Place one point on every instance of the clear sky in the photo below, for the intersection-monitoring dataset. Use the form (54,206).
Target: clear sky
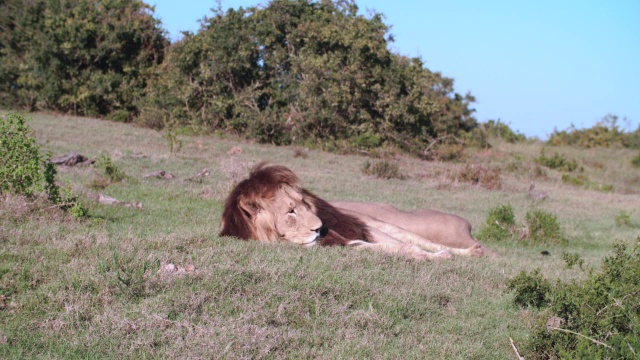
(536,65)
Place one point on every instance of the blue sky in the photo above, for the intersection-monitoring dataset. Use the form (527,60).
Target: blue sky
(536,65)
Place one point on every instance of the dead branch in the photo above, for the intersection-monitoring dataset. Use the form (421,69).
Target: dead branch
(584,336)
(429,149)
(199,176)
(513,345)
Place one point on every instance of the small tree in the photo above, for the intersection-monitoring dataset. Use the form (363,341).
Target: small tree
(20,163)
(22,168)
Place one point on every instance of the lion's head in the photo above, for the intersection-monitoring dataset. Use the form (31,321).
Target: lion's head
(270,206)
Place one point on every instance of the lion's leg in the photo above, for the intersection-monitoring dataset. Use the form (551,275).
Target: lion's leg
(441,228)
(381,241)
(409,237)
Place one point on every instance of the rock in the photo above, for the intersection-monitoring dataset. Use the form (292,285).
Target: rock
(160,174)
(72,159)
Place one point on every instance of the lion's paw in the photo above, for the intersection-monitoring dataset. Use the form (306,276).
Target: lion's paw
(442,255)
(477,250)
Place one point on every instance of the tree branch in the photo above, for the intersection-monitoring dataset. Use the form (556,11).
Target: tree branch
(584,336)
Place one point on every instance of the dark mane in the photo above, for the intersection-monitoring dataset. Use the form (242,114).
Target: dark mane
(262,184)
(342,227)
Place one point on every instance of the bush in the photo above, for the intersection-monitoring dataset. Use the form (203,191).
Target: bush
(543,227)
(22,168)
(320,76)
(383,170)
(540,227)
(583,181)
(501,224)
(20,162)
(530,289)
(87,57)
(109,173)
(596,318)
(604,133)
(494,129)
(557,161)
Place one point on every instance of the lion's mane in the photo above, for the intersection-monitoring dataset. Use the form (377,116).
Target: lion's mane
(263,183)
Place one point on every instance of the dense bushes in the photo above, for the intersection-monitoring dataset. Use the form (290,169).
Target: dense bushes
(540,227)
(305,72)
(493,129)
(596,318)
(313,73)
(605,133)
(86,57)
(557,161)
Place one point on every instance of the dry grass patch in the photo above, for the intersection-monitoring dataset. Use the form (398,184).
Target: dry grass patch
(480,175)
(383,170)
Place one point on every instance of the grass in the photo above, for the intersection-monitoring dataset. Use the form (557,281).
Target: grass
(99,288)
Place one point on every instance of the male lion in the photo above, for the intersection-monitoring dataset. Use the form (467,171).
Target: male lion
(270,205)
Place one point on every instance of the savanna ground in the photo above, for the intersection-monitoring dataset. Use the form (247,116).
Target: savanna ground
(100,287)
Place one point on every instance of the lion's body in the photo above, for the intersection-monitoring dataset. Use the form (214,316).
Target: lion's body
(445,229)
(270,205)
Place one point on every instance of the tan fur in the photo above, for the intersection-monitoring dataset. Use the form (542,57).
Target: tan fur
(270,206)
(430,229)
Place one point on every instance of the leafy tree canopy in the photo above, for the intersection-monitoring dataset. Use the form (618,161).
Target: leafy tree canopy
(88,57)
(304,72)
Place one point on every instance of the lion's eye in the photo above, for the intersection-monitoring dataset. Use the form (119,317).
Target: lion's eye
(292,211)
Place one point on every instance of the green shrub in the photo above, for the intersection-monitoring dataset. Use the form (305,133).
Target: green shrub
(540,227)
(596,318)
(500,225)
(22,168)
(87,57)
(604,133)
(583,181)
(495,129)
(530,289)
(383,169)
(110,170)
(108,173)
(543,227)
(557,161)
(20,162)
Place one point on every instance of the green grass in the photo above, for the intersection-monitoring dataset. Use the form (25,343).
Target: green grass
(98,288)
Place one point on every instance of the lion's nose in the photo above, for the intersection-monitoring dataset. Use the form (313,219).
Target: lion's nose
(322,231)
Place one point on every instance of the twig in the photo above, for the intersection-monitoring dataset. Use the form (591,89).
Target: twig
(435,141)
(64,204)
(617,302)
(584,336)
(513,345)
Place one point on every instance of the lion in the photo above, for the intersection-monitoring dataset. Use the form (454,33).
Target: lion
(270,205)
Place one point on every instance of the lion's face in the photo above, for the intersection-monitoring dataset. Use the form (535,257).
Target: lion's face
(294,219)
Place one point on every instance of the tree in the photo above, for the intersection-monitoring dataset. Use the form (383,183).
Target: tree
(87,57)
(305,72)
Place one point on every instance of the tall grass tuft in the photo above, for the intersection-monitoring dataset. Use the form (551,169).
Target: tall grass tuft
(383,170)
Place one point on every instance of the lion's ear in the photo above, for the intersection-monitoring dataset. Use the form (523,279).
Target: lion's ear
(250,207)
